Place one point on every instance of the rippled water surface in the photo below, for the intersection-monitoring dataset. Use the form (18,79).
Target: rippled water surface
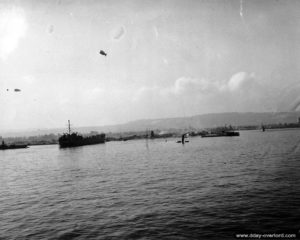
(208,188)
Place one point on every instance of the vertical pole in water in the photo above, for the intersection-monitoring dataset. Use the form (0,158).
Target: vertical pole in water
(69,127)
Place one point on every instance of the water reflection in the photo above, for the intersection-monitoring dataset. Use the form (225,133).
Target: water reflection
(208,188)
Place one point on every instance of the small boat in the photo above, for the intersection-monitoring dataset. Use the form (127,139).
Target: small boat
(4,146)
(184,138)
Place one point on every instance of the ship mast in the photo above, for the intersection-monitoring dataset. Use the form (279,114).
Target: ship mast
(69,126)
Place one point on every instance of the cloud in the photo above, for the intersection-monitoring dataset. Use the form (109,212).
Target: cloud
(249,92)
(183,87)
(13,27)
(188,85)
(189,95)
(241,80)
(186,96)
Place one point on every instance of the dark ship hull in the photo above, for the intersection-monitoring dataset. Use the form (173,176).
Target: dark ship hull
(222,134)
(75,140)
(12,146)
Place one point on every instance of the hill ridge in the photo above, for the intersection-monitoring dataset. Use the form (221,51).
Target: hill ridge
(200,121)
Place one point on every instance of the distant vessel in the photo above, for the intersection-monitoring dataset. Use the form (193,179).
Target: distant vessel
(223,132)
(74,139)
(184,138)
(4,146)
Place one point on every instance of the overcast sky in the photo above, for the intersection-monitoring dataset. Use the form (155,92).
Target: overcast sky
(165,58)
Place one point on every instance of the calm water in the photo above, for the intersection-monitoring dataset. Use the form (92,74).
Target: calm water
(208,188)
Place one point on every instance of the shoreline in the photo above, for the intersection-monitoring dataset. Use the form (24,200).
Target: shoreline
(127,136)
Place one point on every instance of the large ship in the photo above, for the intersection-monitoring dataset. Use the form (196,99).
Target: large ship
(74,139)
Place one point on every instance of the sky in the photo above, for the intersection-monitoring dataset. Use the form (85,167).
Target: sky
(165,58)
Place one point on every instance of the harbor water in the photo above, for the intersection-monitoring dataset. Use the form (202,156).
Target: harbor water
(208,188)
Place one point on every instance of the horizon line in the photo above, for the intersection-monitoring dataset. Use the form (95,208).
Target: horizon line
(16,130)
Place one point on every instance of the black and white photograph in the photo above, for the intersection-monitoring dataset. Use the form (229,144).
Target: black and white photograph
(149,119)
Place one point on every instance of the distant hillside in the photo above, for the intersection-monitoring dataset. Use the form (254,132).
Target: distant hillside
(212,120)
(198,122)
